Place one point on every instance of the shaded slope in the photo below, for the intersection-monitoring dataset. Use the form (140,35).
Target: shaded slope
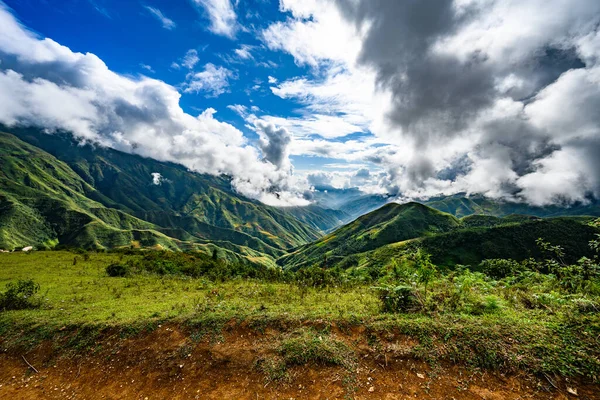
(391,223)
(319,218)
(461,205)
(485,237)
(44,202)
(185,205)
(124,181)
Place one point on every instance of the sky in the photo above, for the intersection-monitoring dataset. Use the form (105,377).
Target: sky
(409,98)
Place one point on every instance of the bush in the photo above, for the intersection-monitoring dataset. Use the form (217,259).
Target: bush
(500,268)
(318,277)
(20,296)
(117,270)
(308,346)
(395,299)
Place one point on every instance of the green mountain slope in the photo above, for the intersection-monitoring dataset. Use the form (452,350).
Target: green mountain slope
(391,223)
(94,197)
(124,181)
(461,205)
(317,217)
(484,237)
(44,202)
(377,238)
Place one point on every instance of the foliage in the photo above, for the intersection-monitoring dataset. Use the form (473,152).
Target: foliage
(308,346)
(20,295)
(526,321)
(117,270)
(52,191)
(396,299)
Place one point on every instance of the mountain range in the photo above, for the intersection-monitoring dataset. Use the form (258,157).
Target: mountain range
(55,191)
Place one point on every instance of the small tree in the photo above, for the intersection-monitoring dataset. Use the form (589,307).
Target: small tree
(425,269)
(20,295)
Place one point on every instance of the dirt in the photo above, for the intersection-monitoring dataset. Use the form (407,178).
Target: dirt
(168,363)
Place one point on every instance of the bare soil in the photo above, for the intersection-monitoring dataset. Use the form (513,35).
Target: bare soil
(168,364)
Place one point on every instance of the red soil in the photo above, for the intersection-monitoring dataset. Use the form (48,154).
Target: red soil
(167,364)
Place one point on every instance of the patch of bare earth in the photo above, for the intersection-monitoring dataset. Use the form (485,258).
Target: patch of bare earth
(168,364)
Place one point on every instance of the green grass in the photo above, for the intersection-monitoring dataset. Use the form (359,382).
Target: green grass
(81,303)
(84,293)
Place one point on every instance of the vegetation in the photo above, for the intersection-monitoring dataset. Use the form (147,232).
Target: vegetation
(538,316)
(20,295)
(53,191)
(381,236)
(512,293)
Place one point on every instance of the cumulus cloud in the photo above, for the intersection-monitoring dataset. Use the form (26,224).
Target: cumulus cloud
(166,22)
(498,97)
(45,84)
(213,81)
(274,143)
(222,16)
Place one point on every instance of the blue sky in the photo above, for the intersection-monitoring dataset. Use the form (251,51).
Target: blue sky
(410,98)
(132,39)
(126,35)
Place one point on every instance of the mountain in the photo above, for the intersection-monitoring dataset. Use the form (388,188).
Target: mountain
(54,190)
(508,237)
(377,238)
(351,201)
(317,217)
(461,205)
(364,204)
(390,223)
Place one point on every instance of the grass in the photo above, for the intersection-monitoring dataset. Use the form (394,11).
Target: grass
(81,303)
(83,293)
(309,346)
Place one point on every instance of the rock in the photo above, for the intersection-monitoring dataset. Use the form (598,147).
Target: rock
(372,389)
(572,391)
(421,376)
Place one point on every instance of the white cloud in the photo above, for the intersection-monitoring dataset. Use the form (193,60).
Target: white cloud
(147,68)
(213,81)
(45,84)
(190,59)
(157,178)
(223,19)
(244,52)
(442,88)
(272,80)
(166,22)
(239,109)
(316,31)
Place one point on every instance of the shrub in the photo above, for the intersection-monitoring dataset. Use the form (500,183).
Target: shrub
(20,295)
(395,299)
(308,346)
(318,277)
(500,268)
(117,270)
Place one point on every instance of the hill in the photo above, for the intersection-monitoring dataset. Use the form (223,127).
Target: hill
(390,223)
(55,191)
(377,238)
(461,205)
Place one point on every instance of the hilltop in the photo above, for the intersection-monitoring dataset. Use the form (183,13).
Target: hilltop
(375,239)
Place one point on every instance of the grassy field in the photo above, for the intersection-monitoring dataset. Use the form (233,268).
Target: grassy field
(486,329)
(80,292)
